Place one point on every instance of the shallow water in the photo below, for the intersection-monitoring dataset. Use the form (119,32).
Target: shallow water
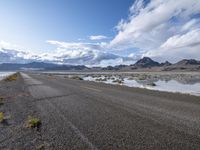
(169,85)
(181,82)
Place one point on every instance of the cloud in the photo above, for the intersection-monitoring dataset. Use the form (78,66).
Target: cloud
(12,53)
(77,45)
(161,29)
(17,56)
(97,37)
(91,54)
(159,23)
(7,45)
(178,47)
(188,39)
(191,24)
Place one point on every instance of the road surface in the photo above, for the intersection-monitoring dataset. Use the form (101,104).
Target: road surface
(86,115)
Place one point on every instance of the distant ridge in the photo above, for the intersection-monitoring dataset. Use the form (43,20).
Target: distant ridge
(144,64)
(147,64)
(39,66)
(185,64)
(188,62)
(166,63)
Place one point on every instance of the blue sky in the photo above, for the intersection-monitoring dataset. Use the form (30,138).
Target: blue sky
(31,22)
(99,32)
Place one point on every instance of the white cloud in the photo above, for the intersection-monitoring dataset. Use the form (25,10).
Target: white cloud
(14,53)
(83,54)
(90,54)
(7,45)
(191,24)
(77,45)
(115,62)
(178,47)
(189,39)
(153,26)
(137,7)
(97,37)
(174,55)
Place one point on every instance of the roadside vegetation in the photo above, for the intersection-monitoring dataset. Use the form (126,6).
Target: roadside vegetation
(33,122)
(12,77)
(2,117)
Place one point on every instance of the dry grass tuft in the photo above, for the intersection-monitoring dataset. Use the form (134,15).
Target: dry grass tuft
(33,122)
(12,77)
(2,117)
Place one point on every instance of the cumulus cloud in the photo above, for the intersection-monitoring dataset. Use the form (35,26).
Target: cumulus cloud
(97,37)
(159,24)
(179,46)
(91,54)
(12,53)
(188,39)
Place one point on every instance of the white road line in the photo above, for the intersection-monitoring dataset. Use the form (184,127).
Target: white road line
(89,88)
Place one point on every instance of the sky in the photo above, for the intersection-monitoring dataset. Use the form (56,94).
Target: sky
(98,32)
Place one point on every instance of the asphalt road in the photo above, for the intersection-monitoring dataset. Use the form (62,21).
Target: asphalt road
(86,115)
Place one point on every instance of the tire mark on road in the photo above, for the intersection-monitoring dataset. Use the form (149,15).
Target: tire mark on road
(73,127)
(47,89)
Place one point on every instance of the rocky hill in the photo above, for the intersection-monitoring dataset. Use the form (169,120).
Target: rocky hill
(146,62)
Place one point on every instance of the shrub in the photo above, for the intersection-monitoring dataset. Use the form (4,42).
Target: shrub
(2,117)
(12,77)
(33,122)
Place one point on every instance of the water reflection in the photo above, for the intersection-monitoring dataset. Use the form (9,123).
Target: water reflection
(179,84)
(182,82)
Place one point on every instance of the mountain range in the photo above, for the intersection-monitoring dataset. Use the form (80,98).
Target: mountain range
(147,64)
(144,64)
